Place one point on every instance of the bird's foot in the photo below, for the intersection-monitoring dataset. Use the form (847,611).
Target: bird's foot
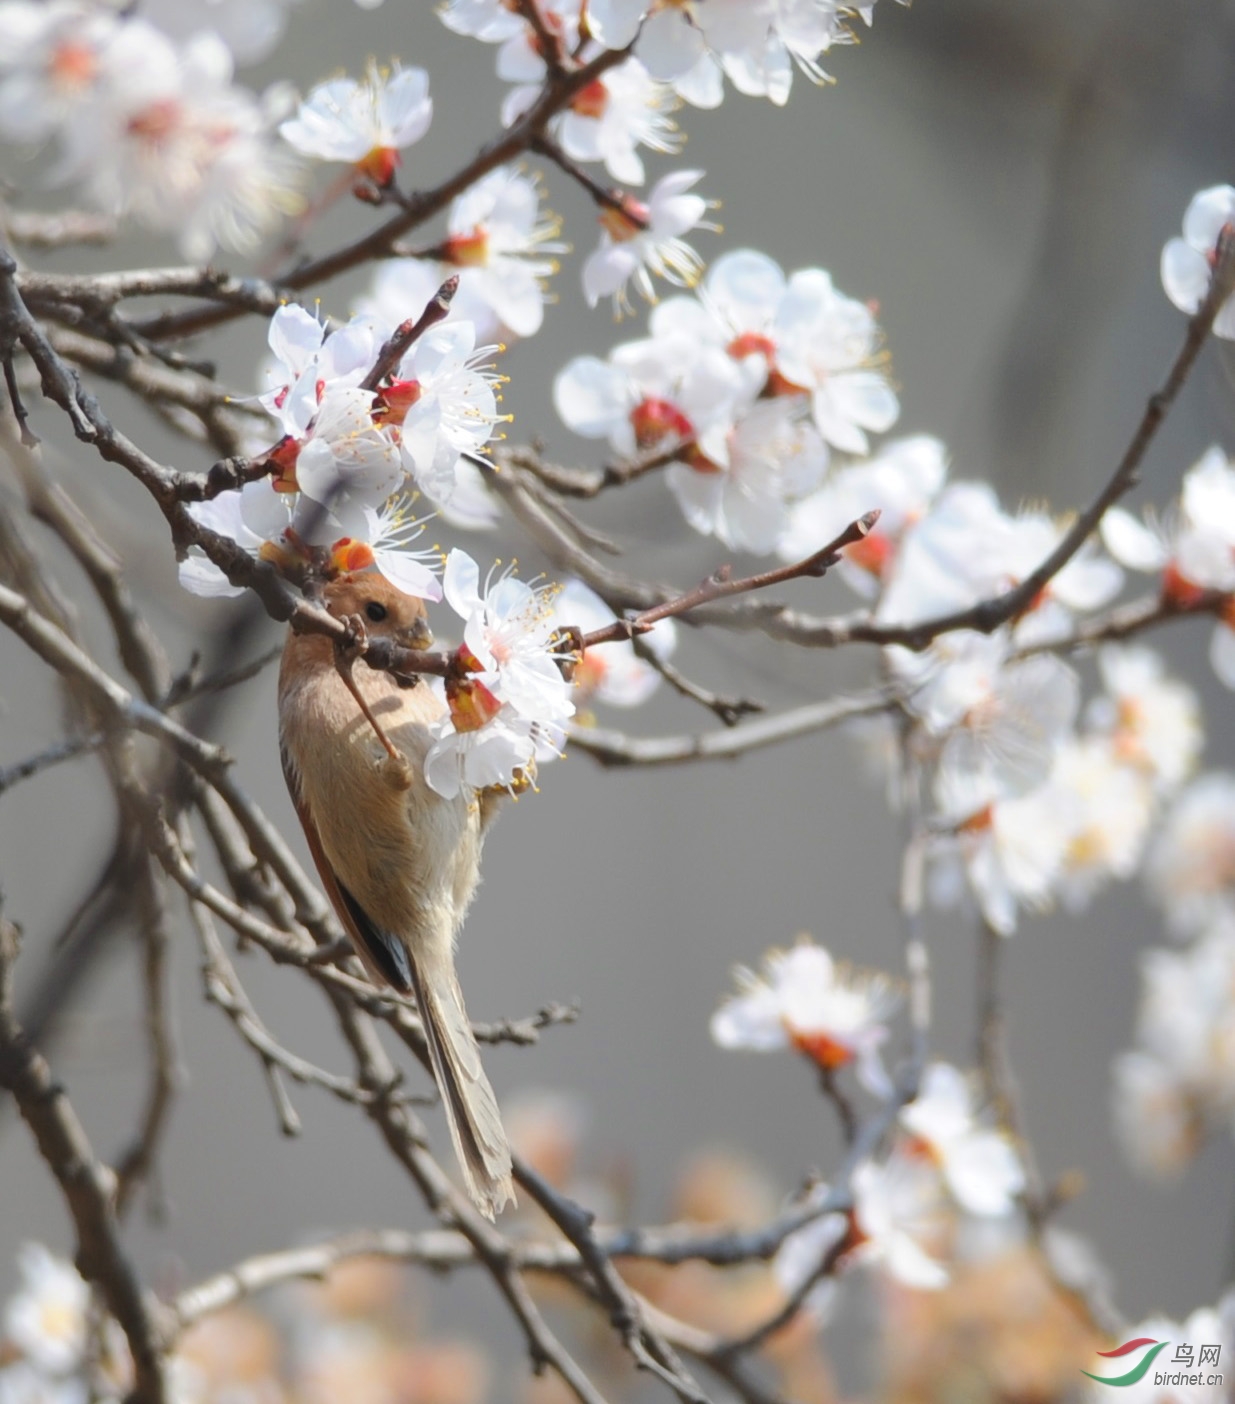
(355,645)
(396,771)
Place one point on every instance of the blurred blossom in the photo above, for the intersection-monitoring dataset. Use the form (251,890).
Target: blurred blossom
(611,673)
(146,126)
(251,29)
(366,123)
(1191,870)
(805,1001)
(1156,1123)
(966,549)
(1192,550)
(1188,263)
(1011,849)
(229,1357)
(1153,721)
(1112,806)
(47,1319)
(900,481)
(721,1187)
(546,1128)
(897,1212)
(997,719)
(978,1165)
(1179,1080)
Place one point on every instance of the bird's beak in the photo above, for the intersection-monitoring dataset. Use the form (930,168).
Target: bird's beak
(417,635)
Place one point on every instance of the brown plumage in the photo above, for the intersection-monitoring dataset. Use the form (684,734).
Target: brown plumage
(398,862)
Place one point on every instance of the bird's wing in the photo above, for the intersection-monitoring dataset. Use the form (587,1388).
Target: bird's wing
(384,955)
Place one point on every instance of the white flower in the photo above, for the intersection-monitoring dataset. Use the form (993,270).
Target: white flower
(999,718)
(900,482)
(507,631)
(21,1383)
(342,451)
(644,240)
(168,138)
(1087,582)
(895,1206)
(1188,263)
(51,59)
(1193,550)
(365,123)
(805,1001)
(1111,805)
(382,538)
(739,488)
(1155,1122)
(652,394)
(403,288)
(251,29)
(503,249)
(308,359)
(828,345)
(1192,866)
(948,560)
(501,752)
(668,41)
(441,402)
(760,42)
(611,673)
(1012,849)
(251,517)
(47,1319)
(1179,1081)
(967,549)
(1153,721)
(608,120)
(979,1166)
(491,21)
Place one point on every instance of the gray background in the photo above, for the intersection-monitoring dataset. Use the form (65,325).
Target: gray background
(1001,178)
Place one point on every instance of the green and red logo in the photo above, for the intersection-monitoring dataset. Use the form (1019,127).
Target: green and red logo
(1140,1369)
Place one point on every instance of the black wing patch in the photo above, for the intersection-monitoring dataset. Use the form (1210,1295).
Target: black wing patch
(387,952)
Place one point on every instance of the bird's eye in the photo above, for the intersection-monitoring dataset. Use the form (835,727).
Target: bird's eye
(375,611)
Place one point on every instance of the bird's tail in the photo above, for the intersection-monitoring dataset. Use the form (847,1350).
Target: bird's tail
(471,1108)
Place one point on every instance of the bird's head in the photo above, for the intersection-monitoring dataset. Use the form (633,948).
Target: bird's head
(387,612)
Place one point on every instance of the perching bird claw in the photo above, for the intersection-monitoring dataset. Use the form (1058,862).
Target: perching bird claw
(346,652)
(396,770)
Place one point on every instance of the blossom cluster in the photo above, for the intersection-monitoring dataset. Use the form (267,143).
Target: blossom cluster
(944,1163)
(336,498)
(1176,1086)
(355,1329)
(682,52)
(147,124)
(745,390)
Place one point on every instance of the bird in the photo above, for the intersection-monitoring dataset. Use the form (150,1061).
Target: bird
(398,862)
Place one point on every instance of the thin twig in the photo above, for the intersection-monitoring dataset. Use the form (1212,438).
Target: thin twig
(53,755)
(612,748)
(646,1347)
(407,333)
(86,1184)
